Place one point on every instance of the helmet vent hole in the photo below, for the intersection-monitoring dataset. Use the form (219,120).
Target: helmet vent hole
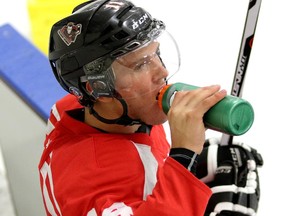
(124,12)
(133,45)
(120,35)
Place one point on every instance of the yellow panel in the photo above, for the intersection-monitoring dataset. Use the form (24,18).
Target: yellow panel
(43,14)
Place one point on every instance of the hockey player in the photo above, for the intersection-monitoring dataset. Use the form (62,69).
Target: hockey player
(105,151)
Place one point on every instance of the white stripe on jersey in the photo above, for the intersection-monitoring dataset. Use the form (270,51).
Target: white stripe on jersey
(150,167)
(55,112)
(50,204)
(50,127)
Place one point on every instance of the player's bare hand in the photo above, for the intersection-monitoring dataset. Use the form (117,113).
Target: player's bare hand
(186,116)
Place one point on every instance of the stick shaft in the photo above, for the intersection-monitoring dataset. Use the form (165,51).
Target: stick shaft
(244,55)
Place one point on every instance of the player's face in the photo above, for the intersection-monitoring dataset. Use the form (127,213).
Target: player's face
(139,77)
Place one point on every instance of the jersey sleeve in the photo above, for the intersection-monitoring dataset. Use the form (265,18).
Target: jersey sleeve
(177,192)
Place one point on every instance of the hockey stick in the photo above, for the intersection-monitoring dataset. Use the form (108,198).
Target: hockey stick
(244,54)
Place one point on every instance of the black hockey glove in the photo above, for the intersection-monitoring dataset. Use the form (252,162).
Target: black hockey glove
(231,173)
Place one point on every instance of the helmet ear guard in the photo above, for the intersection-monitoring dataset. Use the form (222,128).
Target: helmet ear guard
(100,76)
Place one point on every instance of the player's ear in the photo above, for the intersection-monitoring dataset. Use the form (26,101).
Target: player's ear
(102,99)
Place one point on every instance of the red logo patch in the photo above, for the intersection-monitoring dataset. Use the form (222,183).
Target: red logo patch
(69,32)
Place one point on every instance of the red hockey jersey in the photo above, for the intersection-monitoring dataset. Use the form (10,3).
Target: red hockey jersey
(84,171)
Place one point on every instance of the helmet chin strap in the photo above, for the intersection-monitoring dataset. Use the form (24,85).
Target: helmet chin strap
(124,119)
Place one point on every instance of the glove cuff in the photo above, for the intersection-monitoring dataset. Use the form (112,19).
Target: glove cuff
(185,157)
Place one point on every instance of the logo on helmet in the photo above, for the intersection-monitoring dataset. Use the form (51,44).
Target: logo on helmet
(69,33)
(142,20)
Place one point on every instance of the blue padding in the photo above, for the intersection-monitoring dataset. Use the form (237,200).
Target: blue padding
(27,71)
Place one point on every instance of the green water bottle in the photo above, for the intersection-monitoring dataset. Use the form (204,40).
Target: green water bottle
(231,115)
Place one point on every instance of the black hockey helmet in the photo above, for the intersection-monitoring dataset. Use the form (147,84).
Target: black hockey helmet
(84,44)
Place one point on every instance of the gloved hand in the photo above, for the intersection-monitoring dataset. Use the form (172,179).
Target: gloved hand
(231,173)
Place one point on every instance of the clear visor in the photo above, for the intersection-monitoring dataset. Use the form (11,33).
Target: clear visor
(148,68)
